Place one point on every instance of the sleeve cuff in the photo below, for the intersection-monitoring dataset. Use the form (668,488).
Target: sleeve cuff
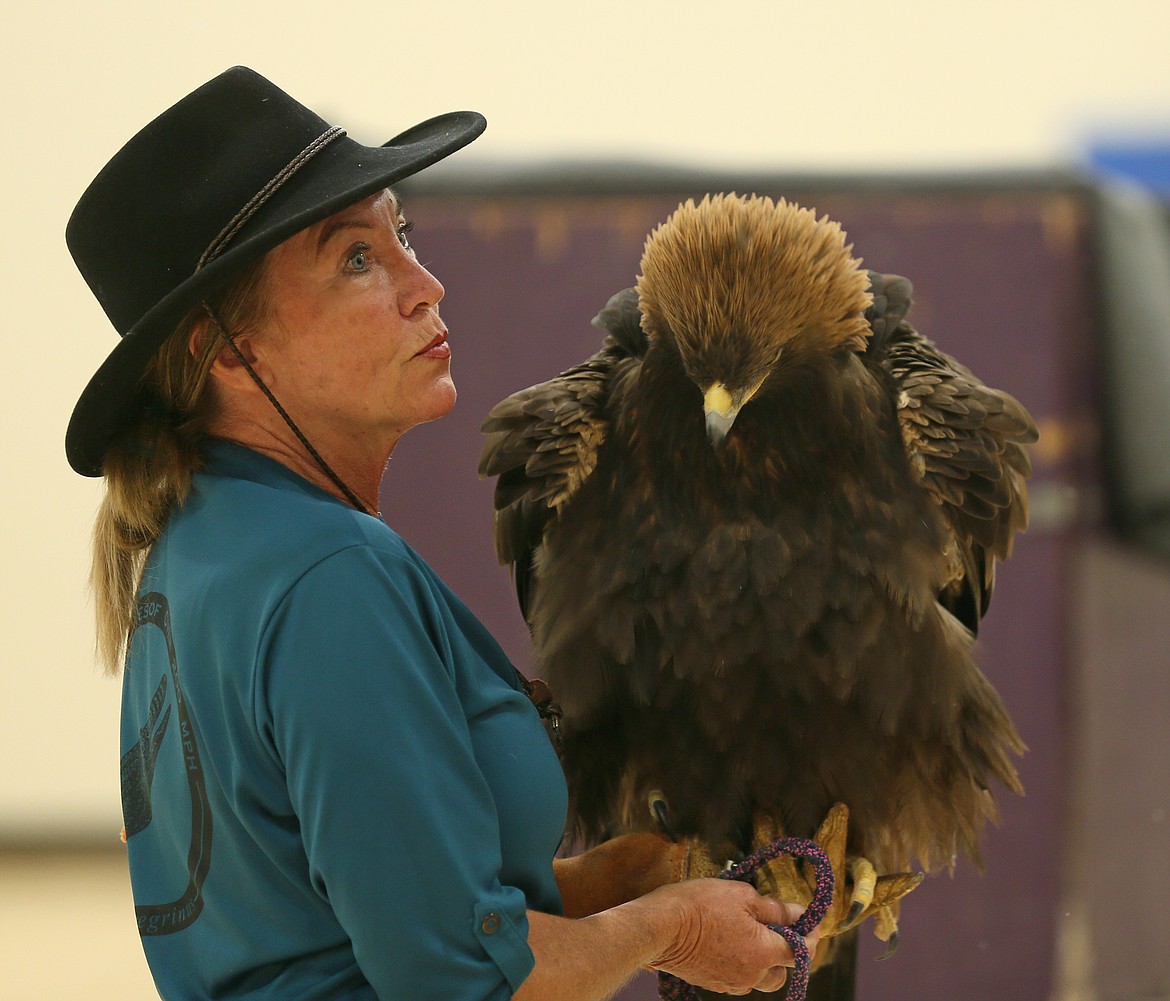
(501,926)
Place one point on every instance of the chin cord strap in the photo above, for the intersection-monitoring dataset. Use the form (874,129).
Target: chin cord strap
(325,467)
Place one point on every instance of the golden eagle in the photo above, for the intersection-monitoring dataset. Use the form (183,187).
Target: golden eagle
(754,536)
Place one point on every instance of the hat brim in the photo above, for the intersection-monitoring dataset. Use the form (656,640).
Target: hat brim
(342,173)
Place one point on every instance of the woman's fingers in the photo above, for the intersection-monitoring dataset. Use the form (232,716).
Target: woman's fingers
(773,980)
(775,912)
(725,942)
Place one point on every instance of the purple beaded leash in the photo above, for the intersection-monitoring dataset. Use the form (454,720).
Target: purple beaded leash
(670,988)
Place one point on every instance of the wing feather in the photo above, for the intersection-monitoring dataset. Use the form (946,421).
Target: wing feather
(965,441)
(542,443)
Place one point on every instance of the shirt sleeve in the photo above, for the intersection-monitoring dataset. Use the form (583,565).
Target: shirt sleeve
(399,826)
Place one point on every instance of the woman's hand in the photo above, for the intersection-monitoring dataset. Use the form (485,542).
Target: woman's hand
(710,932)
(723,942)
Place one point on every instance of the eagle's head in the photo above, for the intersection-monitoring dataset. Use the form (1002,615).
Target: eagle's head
(741,283)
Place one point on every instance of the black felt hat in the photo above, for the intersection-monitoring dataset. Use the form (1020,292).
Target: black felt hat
(233,169)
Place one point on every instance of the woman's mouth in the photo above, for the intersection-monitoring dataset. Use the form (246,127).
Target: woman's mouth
(438,348)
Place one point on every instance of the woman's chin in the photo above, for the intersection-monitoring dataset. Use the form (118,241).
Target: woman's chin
(440,401)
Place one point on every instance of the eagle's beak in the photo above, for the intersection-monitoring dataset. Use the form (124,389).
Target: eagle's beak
(718,425)
(720,408)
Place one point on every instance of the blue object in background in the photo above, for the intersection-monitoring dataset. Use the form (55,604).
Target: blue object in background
(1145,160)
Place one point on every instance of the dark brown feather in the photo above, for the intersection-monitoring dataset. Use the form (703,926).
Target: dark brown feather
(966,443)
(542,443)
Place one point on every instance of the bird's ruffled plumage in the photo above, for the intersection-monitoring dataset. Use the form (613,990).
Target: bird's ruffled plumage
(786,621)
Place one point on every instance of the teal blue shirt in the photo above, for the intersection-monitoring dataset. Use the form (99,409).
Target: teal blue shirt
(332,784)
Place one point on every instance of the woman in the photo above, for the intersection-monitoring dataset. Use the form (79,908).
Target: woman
(333,784)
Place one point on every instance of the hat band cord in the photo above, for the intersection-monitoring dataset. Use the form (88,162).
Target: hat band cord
(325,467)
(225,236)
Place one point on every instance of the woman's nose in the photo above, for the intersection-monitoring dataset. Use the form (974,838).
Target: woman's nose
(420,289)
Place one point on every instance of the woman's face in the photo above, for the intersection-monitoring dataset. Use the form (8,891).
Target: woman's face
(353,344)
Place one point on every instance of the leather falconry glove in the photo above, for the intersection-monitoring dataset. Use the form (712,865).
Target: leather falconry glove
(627,867)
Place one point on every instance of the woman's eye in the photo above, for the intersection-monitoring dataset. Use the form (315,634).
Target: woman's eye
(358,259)
(403,230)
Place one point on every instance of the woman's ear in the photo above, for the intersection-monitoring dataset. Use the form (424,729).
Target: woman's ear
(228,368)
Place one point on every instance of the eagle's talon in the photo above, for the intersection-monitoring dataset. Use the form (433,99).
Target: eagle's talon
(660,811)
(885,927)
(891,947)
(865,879)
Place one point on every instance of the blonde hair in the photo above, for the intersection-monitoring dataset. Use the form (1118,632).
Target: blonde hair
(148,468)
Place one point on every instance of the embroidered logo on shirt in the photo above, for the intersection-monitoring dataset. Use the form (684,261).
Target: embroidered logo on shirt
(138,767)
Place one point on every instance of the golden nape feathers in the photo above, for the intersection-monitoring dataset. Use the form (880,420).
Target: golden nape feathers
(752,269)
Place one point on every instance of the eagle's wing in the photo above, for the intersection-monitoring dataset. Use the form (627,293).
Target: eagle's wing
(965,442)
(542,442)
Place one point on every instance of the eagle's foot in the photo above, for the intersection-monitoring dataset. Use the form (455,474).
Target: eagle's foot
(859,891)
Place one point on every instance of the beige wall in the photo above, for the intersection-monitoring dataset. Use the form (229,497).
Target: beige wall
(759,82)
(844,84)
